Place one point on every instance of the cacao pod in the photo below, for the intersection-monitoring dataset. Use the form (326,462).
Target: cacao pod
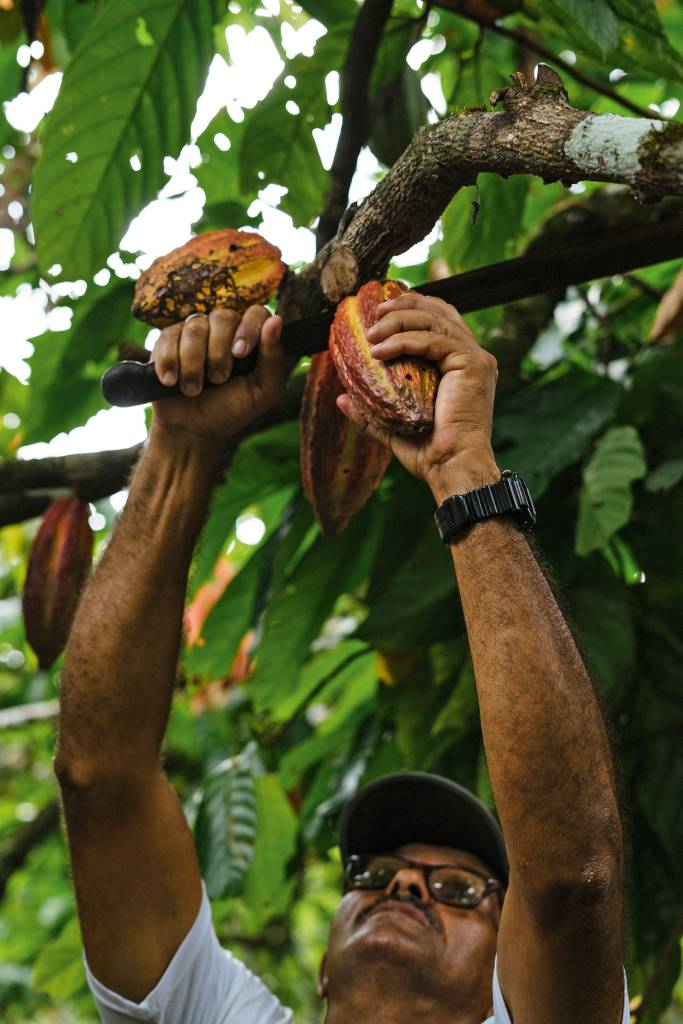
(398,394)
(340,467)
(219,269)
(60,559)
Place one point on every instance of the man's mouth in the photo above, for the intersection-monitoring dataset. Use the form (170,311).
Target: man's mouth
(409,907)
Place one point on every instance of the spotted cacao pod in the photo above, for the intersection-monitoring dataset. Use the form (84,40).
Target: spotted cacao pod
(340,467)
(398,394)
(60,559)
(219,269)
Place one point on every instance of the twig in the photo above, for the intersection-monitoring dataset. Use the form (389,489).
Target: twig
(355,96)
(22,714)
(522,39)
(28,837)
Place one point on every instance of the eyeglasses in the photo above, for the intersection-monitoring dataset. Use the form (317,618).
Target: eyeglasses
(453,884)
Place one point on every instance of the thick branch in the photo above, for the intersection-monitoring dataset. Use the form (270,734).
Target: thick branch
(28,837)
(538,133)
(523,39)
(355,99)
(602,219)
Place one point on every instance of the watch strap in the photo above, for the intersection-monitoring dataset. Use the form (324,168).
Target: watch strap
(508,496)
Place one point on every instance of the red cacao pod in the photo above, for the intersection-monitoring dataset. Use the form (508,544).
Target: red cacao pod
(340,467)
(219,269)
(60,559)
(398,394)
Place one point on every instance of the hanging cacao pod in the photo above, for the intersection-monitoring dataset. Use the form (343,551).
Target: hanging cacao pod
(340,467)
(60,559)
(398,394)
(219,269)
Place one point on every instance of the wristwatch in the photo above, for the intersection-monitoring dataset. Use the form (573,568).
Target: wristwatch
(508,497)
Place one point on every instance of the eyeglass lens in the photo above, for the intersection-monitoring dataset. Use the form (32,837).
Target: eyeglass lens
(449,885)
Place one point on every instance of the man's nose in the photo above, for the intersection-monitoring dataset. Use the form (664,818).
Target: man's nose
(409,883)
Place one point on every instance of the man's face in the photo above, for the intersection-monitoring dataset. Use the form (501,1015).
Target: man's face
(402,936)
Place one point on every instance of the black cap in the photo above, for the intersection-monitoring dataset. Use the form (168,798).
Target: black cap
(417,807)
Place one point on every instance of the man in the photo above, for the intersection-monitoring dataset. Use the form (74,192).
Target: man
(419,928)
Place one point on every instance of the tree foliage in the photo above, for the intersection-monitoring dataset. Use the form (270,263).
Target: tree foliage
(323,664)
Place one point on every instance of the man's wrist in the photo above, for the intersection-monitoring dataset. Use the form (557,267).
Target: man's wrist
(187,449)
(464,472)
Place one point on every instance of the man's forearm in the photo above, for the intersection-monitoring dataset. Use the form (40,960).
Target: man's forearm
(121,658)
(547,748)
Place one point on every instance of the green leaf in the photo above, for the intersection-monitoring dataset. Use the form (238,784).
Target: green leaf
(603,615)
(499,220)
(141,100)
(419,603)
(665,476)
(542,429)
(460,713)
(67,366)
(594,19)
(357,684)
(402,110)
(605,499)
(315,673)
(59,969)
(301,601)
(279,145)
(225,829)
(218,174)
(228,621)
(644,42)
(331,12)
(265,463)
(266,893)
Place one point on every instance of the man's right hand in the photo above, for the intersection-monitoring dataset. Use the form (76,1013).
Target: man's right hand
(207,347)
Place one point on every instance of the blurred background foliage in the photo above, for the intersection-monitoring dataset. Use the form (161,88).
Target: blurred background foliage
(313,665)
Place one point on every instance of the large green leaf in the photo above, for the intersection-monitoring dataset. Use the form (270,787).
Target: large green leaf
(279,146)
(605,500)
(67,366)
(498,222)
(542,429)
(303,598)
(266,892)
(130,89)
(225,829)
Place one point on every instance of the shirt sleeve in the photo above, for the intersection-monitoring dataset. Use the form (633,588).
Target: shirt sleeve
(500,1011)
(203,983)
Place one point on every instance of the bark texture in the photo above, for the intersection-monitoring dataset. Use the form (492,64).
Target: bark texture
(537,132)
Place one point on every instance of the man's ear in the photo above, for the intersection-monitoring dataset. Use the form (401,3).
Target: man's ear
(322,978)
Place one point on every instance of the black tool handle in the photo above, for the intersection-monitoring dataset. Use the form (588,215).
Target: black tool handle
(131,383)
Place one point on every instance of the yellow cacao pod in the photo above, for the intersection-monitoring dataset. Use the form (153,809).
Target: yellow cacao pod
(219,269)
(397,394)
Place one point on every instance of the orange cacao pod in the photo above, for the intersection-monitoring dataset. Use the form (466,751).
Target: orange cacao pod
(219,269)
(59,562)
(340,467)
(399,394)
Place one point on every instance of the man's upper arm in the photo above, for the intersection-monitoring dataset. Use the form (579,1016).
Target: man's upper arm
(563,963)
(136,876)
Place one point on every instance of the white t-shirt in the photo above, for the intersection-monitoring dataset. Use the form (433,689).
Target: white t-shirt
(204,984)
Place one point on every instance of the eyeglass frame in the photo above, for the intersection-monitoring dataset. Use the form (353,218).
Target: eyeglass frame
(492,884)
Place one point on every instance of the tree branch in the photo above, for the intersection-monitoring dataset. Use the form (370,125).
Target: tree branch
(538,133)
(355,96)
(522,39)
(601,227)
(28,837)
(22,714)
